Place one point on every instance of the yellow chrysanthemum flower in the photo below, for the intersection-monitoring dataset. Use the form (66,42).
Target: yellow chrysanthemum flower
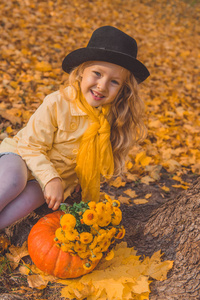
(102,231)
(96,256)
(105,245)
(101,237)
(121,233)
(84,254)
(60,234)
(117,216)
(92,205)
(67,221)
(104,219)
(90,217)
(71,235)
(94,229)
(109,207)
(100,208)
(111,232)
(87,266)
(96,250)
(86,237)
(107,197)
(110,255)
(94,243)
(79,247)
(115,220)
(116,203)
(66,247)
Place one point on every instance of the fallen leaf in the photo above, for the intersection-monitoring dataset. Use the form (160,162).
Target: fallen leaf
(154,171)
(124,277)
(117,182)
(130,193)
(147,196)
(147,179)
(16,253)
(37,281)
(157,269)
(4,243)
(140,201)
(180,186)
(132,177)
(124,200)
(9,129)
(165,188)
(43,66)
(24,269)
(171,165)
(143,159)
(9,116)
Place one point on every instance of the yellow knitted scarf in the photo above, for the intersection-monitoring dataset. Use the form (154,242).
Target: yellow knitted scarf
(95,155)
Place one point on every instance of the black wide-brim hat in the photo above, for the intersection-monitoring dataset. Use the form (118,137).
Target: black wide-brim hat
(112,45)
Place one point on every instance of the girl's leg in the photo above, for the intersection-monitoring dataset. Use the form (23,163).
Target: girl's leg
(13,178)
(31,198)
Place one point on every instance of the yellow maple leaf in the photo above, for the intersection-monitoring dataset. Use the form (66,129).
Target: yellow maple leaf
(14,84)
(125,277)
(130,193)
(132,177)
(43,66)
(140,201)
(156,268)
(15,255)
(37,281)
(4,243)
(9,129)
(142,284)
(24,269)
(147,179)
(185,187)
(165,188)
(171,165)
(143,159)
(129,165)
(154,171)
(117,182)
(177,178)
(124,200)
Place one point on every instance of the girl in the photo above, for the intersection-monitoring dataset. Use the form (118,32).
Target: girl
(78,133)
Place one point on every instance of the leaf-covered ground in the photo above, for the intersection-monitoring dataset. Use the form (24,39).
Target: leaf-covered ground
(36,35)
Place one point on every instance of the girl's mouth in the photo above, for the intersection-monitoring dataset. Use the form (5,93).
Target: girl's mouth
(97,96)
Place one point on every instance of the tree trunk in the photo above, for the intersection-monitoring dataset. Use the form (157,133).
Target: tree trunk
(174,227)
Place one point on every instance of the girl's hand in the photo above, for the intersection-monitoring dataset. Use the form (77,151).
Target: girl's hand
(54,193)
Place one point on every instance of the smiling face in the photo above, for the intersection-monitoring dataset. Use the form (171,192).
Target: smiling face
(101,82)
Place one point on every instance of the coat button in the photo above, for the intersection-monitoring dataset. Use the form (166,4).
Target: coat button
(75,151)
(73,126)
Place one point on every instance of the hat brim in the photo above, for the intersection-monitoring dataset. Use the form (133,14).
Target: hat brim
(82,55)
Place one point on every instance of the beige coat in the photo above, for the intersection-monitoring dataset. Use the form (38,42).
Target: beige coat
(50,141)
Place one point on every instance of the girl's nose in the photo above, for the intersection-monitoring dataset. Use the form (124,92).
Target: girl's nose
(102,85)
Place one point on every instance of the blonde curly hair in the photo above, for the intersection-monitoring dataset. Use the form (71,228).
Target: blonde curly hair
(125,116)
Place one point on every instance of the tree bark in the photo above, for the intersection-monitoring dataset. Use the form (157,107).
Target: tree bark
(173,227)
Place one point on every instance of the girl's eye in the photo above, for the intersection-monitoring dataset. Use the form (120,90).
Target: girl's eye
(97,73)
(115,82)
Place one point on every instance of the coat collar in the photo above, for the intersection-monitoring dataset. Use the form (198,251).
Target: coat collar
(74,109)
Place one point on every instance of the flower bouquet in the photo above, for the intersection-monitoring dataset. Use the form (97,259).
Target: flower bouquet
(78,237)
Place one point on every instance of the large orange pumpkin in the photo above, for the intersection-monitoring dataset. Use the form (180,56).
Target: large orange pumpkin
(47,256)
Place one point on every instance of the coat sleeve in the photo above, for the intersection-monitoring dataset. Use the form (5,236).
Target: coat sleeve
(36,139)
